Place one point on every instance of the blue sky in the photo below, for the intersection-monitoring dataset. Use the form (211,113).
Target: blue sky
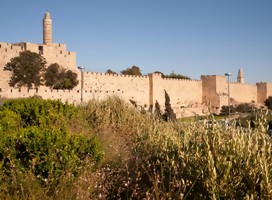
(190,37)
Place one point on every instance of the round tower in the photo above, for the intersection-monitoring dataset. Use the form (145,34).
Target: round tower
(240,77)
(47,29)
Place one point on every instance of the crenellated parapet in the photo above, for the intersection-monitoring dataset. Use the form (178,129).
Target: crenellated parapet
(180,80)
(114,75)
(186,95)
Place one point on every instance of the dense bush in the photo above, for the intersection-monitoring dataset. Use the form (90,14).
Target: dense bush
(149,158)
(46,153)
(38,112)
(268,102)
(241,108)
(38,145)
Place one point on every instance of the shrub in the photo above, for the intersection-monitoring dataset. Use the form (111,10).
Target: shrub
(48,154)
(243,108)
(144,158)
(268,102)
(38,112)
(188,160)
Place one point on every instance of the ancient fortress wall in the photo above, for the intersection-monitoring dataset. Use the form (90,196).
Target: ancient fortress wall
(7,51)
(71,96)
(184,94)
(269,90)
(215,92)
(54,53)
(264,90)
(243,93)
(210,96)
(135,88)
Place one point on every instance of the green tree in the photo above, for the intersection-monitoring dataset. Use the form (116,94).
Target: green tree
(268,102)
(177,76)
(172,75)
(132,71)
(27,70)
(58,78)
(158,72)
(168,114)
(109,71)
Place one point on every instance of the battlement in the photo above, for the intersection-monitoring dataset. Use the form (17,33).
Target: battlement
(10,47)
(114,75)
(211,76)
(180,80)
(145,90)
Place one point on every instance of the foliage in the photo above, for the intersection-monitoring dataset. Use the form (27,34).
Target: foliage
(254,118)
(144,158)
(58,78)
(132,71)
(38,151)
(27,69)
(243,108)
(177,76)
(168,114)
(157,111)
(38,112)
(109,71)
(268,102)
(226,109)
(173,75)
(187,160)
(47,153)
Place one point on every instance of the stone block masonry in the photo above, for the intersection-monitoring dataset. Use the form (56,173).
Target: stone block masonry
(187,97)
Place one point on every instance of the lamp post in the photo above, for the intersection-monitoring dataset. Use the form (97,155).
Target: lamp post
(81,69)
(228,75)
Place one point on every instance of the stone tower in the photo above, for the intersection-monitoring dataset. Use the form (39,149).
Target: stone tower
(240,77)
(47,29)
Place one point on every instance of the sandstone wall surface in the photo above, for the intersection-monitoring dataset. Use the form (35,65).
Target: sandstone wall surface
(185,95)
(135,88)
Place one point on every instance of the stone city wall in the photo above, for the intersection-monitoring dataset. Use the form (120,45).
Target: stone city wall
(243,93)
(264,91)
(7,51)
(129,87)
(185,95)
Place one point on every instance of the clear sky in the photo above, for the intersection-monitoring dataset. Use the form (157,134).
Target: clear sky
(189,37)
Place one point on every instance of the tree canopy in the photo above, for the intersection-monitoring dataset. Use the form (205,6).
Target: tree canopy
(268,102)
(173,75)
(58,78)
(27,70)
(109,71)
(132,71)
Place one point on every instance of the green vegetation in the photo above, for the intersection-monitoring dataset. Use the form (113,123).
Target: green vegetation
(27,69)
(268,102)
(109,71)
(173,75)
(40,148)
(58,78)
(134,70)
(110,150)
(241,108)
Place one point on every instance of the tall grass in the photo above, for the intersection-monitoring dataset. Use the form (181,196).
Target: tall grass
(145,158)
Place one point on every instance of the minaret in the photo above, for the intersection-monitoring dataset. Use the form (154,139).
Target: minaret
(47,29)
(240,77)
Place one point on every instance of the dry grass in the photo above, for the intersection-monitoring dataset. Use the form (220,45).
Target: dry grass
(149,159)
